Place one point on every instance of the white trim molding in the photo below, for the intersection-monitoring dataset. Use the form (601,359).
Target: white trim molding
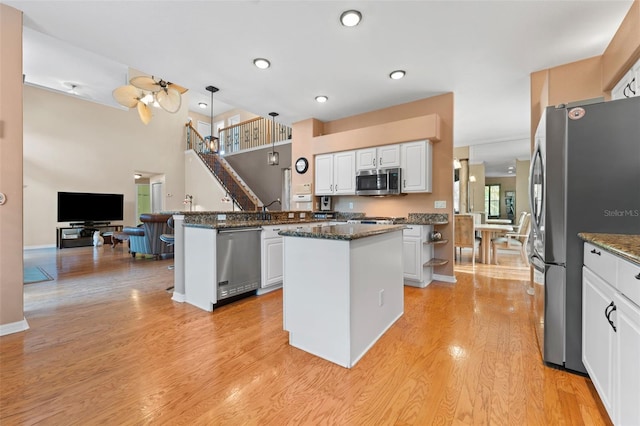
(445,278)
(14,327)
(178,297)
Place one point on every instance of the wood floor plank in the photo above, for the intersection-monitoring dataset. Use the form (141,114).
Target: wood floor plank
(107,345)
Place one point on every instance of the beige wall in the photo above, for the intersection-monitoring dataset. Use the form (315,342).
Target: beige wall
(426,118)
(206,190)
(75,145)
(623,50)
(11,223)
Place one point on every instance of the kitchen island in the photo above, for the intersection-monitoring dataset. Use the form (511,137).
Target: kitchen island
(343,288)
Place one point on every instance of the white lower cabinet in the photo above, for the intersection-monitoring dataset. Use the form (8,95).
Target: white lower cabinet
(611,332)
(599,343)
(416,255)
(272,266)
(627,367)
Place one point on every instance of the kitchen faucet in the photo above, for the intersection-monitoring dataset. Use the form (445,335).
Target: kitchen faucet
(277,200)
(266,216)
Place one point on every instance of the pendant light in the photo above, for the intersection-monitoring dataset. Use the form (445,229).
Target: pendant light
(212,143)
(273,158)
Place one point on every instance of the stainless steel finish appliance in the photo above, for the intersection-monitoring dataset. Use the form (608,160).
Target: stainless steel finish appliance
(378,182)
(584,177)
(238,261)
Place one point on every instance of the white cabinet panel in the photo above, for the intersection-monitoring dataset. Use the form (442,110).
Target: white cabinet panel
(366,159)
(416,166)
(324,174)
(272,255)
(335,173)
(627,369)
(388,156)
(598,335)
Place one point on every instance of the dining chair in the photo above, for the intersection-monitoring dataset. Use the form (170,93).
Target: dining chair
(512,241)
(464,234)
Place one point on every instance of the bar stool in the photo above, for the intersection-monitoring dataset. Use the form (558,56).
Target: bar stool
(169,239)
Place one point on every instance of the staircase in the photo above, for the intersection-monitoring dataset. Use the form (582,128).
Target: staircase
(235,187)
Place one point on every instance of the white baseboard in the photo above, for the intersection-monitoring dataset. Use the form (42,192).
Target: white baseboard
(39,247)
(14,327)
(445,278)
(266,290)
(178,297)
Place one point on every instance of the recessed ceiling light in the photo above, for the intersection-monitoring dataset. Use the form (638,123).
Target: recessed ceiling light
(397,74)
(202,105)
(322,99)
(137,176)
(511,167)
(261,63)
(350,18)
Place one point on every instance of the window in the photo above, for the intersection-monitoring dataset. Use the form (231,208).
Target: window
(492,200)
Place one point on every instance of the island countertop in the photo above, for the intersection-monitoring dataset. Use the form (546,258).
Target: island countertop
(346,232)
(624,245)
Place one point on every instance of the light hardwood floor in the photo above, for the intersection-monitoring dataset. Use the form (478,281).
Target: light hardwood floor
(108,346)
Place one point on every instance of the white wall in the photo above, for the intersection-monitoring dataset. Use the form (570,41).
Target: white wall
(76,145)
(199,182)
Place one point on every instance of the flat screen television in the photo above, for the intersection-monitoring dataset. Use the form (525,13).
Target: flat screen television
(89,207)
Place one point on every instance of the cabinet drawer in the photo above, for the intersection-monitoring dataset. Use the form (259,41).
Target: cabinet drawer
(629,280)
(271,231)
(602,263)
(412,231)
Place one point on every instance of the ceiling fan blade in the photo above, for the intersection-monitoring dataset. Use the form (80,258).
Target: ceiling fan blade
(145,83)
(177,87)
(127,95)
(144,112)
(169,99)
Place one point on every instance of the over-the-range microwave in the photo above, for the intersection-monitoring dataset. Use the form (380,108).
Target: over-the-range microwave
(378,182)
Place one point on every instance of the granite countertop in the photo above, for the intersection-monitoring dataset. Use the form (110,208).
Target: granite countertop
(252,223)
(427,219)
(346,232)
(624,245)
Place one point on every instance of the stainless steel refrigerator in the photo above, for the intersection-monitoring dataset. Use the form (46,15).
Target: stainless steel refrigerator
(585,177)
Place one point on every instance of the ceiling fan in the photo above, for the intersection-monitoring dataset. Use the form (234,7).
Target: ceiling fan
(145,90)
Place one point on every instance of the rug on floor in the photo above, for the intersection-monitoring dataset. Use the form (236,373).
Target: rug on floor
(35,274)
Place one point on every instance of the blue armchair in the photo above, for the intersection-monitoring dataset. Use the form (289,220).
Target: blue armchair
(145,238)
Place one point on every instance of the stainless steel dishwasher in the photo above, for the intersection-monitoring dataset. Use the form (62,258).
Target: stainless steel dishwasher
(237,261)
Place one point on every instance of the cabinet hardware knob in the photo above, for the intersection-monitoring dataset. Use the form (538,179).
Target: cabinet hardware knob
(594,251)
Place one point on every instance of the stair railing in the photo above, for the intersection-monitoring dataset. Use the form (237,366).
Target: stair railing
(236,190)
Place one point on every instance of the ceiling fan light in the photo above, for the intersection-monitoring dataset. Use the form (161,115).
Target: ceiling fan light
(146,99)
(397,74)
(322,99)
(261,63)
(350,18)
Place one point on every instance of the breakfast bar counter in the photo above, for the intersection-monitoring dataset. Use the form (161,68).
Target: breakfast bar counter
(343,288)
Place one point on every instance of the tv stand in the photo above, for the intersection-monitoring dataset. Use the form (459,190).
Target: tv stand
(88,224)
(81,234)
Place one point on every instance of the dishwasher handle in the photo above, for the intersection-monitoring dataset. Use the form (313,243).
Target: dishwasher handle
(229,230)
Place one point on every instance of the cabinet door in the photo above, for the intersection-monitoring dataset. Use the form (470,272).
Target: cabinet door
(411,253)
(389,156)
(627,372)
(366,159)
(416,166)
(598,337)
(324,174)
(272,261)
(344,180)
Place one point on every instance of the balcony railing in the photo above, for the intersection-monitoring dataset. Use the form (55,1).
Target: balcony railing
(252,134)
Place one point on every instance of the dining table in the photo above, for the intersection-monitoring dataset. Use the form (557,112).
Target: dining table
(488,231)
(499,221)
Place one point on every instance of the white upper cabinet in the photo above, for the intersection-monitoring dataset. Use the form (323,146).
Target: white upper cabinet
(324,174)
(415,161)
(381,157)
(628,85)
(335,173)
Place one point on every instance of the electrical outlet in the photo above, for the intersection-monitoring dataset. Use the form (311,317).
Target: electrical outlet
(381,298)
(351,206)
(292,215)
(302,215)
(222,217)
(440,204)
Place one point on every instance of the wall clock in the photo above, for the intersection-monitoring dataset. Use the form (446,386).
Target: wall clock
(302,165)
